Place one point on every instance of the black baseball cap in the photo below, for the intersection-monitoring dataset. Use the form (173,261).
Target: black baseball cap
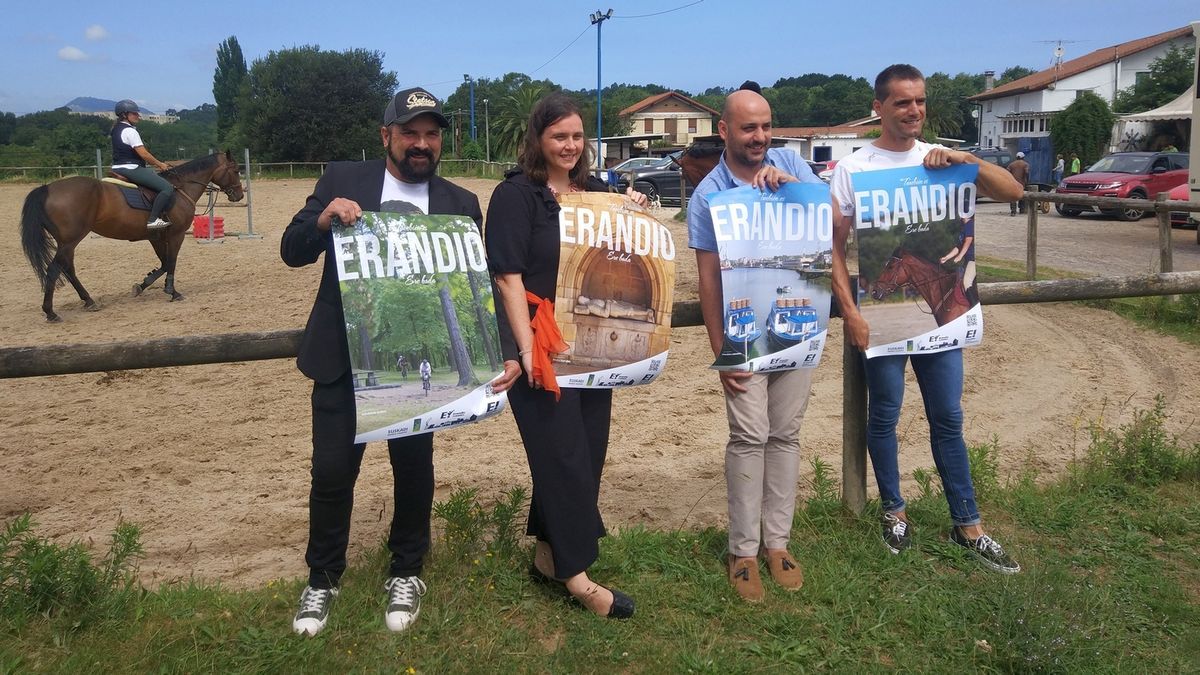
(409,103)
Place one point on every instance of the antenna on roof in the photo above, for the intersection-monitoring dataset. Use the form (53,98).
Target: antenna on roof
(1058,56)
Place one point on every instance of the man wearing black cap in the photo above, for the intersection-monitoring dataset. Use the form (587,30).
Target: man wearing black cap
(403,181)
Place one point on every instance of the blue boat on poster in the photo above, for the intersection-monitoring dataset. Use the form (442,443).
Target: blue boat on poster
(775,251)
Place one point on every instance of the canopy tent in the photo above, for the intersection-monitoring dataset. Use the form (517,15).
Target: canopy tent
(1179,109)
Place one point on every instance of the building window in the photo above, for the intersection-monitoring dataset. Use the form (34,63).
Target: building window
(692,125)
(649,125)
(989,106)
(1140,76)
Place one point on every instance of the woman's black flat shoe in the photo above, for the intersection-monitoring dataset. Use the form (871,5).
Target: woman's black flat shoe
(622,606)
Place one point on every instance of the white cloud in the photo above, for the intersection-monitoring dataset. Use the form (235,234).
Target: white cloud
(96,32)
(70,53)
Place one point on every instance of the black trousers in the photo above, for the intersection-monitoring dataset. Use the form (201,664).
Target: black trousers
(335,463)
(565,444)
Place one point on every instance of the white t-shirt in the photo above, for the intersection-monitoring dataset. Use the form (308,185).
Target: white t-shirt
(130,137)
(871,158)
(396,190)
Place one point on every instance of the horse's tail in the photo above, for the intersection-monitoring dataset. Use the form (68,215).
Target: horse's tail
(35,224)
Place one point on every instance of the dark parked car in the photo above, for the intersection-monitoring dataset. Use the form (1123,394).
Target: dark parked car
(659,181)
(994,155)
(1136,175)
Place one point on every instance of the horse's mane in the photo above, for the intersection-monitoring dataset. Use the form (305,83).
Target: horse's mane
(196,165)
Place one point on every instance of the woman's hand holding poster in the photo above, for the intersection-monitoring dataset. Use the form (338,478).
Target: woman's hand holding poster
(915,230)
(616,285)
(420,323)
(775,250)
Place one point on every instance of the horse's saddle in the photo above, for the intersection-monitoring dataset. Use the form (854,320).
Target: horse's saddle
(136,196)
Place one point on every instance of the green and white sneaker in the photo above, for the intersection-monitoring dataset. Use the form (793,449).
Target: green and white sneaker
(987,550)
(314,610)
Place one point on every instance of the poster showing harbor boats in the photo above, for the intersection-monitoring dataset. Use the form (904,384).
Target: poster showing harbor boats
(420,323)
(616,284)
(915,229)
(775,253)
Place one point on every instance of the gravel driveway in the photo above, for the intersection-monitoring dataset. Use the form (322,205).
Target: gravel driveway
(1090,243)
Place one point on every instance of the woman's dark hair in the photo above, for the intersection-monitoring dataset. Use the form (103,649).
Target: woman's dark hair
(546,112)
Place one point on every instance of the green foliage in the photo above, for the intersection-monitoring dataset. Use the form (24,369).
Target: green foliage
(816,99)
(1083,128)
(228,80)
(1014,73)
(40,577)
(984,461)
(472,529)
(304,104)
(1170,75)
(472,150)
(1141,452)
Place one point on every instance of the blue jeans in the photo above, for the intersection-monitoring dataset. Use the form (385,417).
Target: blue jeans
(940,377)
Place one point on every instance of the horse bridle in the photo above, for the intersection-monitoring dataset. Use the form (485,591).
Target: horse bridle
(910,284)
(227,190)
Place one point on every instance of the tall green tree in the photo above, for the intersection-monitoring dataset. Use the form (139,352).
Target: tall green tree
(1083,128)
(1014,73)
(304,104)
(1170,75)
(228,80)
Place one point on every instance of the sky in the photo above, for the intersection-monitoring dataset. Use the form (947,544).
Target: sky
(163,55)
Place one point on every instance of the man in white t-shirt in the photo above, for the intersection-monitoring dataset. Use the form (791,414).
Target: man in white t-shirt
(900,104)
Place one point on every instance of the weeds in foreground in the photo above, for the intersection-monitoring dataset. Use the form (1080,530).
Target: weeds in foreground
(1108,586)
(40,577)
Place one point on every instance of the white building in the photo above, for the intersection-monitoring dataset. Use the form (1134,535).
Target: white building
(1016,116)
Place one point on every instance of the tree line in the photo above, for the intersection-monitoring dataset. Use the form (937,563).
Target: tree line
(308,104)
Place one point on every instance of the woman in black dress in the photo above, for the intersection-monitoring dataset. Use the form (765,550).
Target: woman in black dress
(565,432)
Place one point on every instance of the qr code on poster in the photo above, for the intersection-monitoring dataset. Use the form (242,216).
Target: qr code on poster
(972,320)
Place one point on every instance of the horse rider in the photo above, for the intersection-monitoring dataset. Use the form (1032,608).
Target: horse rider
(130,157)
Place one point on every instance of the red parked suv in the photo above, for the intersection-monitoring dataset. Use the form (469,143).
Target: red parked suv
(1138,175)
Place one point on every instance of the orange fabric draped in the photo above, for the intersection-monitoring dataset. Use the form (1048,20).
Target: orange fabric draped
(547,340)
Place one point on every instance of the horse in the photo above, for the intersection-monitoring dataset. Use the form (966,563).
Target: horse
(69,208)
(942,290)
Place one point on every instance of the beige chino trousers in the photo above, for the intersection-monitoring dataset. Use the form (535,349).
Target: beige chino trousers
(762,459)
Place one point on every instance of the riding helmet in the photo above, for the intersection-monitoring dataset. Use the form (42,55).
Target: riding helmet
(126,106)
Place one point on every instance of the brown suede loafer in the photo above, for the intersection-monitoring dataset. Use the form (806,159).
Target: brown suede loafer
(743,574)
(784,569)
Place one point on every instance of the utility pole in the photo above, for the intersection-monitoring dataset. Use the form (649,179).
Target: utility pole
(470,81)
(598,20)
(487,131)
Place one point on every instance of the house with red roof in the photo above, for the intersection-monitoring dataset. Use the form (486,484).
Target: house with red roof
(1016,116)
(679,117)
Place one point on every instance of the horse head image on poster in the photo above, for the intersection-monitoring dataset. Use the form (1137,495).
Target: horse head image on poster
(69,208)
(941,289)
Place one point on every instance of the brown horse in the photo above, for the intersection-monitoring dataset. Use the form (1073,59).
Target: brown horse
(941,289)
(68,209)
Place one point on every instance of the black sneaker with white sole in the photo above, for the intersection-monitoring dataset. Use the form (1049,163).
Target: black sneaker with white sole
(987,550)
(314,610)
(897,533)
(404,601)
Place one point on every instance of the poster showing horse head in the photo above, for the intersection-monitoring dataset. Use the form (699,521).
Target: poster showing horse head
(616,284)
(915,230)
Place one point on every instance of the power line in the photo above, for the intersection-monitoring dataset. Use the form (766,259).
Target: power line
(560,52)
(665,11)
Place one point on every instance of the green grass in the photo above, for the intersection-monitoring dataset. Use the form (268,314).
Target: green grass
(1110,584)
(1180,318)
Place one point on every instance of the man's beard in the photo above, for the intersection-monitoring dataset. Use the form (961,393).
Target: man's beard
(411,173)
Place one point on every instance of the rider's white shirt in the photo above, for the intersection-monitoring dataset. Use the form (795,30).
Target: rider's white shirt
(133,139)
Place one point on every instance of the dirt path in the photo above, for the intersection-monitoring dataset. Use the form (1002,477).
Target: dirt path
(212,461)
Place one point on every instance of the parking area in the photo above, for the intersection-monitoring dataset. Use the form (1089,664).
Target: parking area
(1090,243)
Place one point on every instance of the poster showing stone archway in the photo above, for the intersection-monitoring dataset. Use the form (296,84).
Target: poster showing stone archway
(616,282)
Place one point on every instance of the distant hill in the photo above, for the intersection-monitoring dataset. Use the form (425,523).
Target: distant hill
(89,104)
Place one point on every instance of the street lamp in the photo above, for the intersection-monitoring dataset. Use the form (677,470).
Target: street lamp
(471,82)
(598,18)
(487,131)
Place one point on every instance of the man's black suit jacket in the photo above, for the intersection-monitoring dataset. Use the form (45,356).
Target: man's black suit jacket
(324,353)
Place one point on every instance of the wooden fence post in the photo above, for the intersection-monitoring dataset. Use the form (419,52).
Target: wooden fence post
(854,423)
(1031,215)
(854,430)
(1165,254)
